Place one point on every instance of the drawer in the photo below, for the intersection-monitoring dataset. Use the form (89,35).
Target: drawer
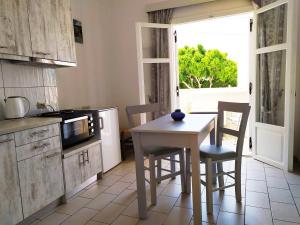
(47,146)
(36,134)
(6,138)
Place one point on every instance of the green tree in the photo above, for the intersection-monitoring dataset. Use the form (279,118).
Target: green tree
(201,68)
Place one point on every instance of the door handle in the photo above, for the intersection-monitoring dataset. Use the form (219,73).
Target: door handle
(52,155)
(81,162)
(101,123)
(87,156)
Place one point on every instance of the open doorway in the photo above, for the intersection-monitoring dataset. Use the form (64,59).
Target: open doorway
(213,65)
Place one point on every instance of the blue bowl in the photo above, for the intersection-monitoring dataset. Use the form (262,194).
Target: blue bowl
(177,115)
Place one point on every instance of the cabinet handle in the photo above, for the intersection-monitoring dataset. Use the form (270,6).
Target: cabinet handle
(7,140)
(39,133)
(41,146)
(81,162)
(101,123)
(53,155)
(4,47)
(87,156)
(42,53)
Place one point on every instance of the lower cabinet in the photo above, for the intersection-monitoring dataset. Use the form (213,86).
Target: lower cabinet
(41,181)
(10,198)
(82,166)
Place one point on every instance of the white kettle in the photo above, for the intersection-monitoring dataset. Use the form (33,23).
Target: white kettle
(15,107)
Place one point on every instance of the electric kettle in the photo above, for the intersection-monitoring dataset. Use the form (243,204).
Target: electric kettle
(15,107)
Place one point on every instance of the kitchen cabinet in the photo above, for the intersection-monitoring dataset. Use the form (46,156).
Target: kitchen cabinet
(110,137)
(82,165)
(65,34)
(10,198)
(43,28)
(14,28)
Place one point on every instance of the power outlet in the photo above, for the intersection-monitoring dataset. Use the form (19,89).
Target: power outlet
(41,105)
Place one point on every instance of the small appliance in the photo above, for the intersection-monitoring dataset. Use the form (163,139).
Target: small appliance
(16,107)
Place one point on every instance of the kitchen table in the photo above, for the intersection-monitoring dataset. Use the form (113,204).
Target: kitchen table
(188,134)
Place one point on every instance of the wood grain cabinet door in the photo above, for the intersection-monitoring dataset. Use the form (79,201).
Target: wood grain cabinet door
(93,163)
(41,181)
(65,34)
(10,198)
(14,28)
(72,171)
(43,28)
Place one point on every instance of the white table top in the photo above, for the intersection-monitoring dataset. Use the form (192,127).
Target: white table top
(191,124)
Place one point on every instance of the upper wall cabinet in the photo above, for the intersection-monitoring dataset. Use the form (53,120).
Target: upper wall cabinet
(40,29)
(65,34)
(43,23)
(14,28)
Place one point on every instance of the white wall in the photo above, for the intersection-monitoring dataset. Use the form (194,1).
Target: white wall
(89,83)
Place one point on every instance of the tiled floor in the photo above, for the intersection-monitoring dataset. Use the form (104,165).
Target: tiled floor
(270,196)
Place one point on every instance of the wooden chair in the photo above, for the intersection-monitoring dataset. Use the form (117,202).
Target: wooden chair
(219,153)
(157,153)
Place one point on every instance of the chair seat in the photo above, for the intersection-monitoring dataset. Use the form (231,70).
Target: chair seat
(158,151)
(216,152)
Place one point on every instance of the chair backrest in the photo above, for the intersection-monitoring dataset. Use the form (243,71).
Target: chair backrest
(139,109)
(242,108)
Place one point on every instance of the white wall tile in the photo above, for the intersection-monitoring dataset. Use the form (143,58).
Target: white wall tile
(49,75)
(34,95)
(51,96)
(15,75)
(1,103)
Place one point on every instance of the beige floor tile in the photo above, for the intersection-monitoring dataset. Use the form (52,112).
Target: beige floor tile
(295,189)
(132,210)
(229,204)
(185,201)
(101,201)
(257,199)
(132,186)
(179,216)
(203,223)
(54,219)
(297,201)
(172,190)
(94,191)
(81,217)
(257,186)
(128,178)
(256,216)
(94,223)
(278,222)
(109,213)
(226,218)
(164,204)
(274,172)
(125,220)
(210,218)
(276,182)
(292,178)
(126,197)
(256,175)
(231,191)
(154,218)
(217,197)
(110,179)
(280,195)
(285,212)
(117,188)
(73,205)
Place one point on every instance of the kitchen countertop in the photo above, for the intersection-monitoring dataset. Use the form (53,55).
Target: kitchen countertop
(15,125)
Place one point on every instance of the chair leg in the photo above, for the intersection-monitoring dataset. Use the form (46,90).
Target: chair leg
(214,171)
(173,165)
(182,172)
(238,192)
(209,186)
(220,178)
(158,169)
(188,171)
(152,179)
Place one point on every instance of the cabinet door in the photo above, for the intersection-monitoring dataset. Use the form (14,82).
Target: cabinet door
(41,181)
(14,28)
(72,171)
(65,34)
(93,162)
(10,198)
(42,22)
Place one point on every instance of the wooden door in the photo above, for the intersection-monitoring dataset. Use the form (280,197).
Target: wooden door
(14,28)
(41,181)
(10,198)
(72,171)
(93,163)
(43,28)
(65,34)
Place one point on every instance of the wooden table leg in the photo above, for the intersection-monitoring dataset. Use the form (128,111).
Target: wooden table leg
(140,176)
(196,181)
(212,137)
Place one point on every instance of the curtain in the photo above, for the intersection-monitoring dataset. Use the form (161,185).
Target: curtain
(160,74)
(271,66)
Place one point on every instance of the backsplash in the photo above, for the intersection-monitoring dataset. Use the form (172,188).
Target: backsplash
(38,84)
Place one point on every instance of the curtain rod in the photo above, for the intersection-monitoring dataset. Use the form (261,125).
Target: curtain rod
(168,4)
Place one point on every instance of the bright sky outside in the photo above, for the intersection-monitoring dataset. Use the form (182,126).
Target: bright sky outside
(228,34)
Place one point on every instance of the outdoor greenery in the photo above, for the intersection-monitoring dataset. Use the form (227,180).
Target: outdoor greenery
(201,68)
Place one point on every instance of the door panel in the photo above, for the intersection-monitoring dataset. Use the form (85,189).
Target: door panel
(93,164)
(72,170)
